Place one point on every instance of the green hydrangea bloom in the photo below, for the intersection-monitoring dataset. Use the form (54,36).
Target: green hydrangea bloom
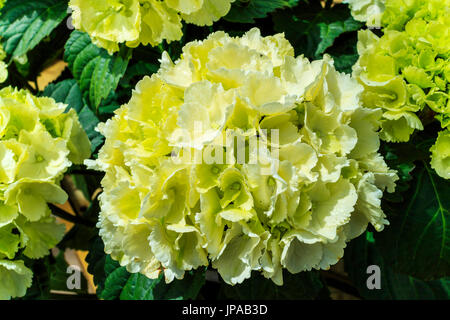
(298,177)
(134,22)
(37,145)
(440,154)
(406,71)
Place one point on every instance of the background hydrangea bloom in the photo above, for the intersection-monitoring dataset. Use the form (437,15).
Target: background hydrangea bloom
(110,22)
(294,206)
(406,71)
(368,11)
(38,142)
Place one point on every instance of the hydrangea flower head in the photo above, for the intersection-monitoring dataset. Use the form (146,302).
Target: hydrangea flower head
(368,11)
(241,156)
(406,71)
(38,142)
(134,22)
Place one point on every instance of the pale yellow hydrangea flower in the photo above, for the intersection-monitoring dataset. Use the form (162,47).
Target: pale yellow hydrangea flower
(134,22)
(368,11)
(312,181)
(38,142)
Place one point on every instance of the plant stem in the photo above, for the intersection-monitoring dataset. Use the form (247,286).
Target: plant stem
(86,172)
(68,217)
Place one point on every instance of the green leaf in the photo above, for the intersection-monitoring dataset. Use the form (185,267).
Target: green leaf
(139,287)
(116,279)
(114,282)
(109,276)
(361,253)
(89,121)
(343,51)
(136,72)
(96,260)
(24,23)
(246,11)
(66,91)
(417,242)
(97,72)
(301,286)
(312,29)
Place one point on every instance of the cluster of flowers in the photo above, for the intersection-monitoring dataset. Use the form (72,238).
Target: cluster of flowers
(406,72)
(134,22)
(368,11)
(38,142)
(312,182)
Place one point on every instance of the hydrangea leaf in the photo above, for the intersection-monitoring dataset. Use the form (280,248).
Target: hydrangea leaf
(116,282)
(363,252)
(302,286)
(417,242)
(116,279)
(96,72)
(139,287)
(67,92)
(23,24)
(246,11)
(96,260)
(312,29)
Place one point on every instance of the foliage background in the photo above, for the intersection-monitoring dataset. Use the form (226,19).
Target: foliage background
(413,252)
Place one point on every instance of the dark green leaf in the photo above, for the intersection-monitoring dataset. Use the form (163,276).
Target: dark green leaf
(246,11)
(97,72)
(66,91)
(361,253)
(417,242)
(24,23)
(312,29)
(96,260)
(114,282)
(301,286)
(136,72)
(116,279)
(89,122)
(139,287)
